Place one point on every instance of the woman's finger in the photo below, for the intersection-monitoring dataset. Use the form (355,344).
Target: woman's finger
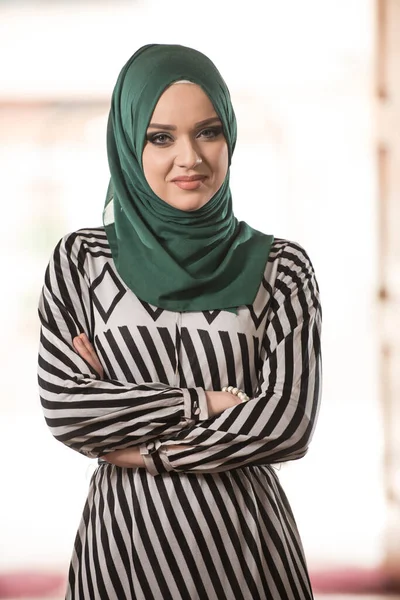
(89,347)
(87,352)
(80,347)
(82,350)
(92,351)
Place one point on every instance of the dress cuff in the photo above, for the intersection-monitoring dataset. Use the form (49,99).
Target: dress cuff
(195,404)
(155,461)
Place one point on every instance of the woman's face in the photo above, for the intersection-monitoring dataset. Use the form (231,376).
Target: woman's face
(185,158)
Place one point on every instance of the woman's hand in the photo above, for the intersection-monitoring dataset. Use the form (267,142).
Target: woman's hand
(129,457)
(217,402)
(85,349)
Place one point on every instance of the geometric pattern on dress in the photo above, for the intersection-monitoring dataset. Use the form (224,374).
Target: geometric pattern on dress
(257,320)
(110,294)
(211,315)
(153,312)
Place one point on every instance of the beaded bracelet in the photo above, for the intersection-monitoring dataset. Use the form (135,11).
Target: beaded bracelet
(236,392)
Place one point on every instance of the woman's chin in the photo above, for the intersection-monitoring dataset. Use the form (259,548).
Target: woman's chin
(188,201)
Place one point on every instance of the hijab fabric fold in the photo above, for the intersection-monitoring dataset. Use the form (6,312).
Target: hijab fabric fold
(176,260)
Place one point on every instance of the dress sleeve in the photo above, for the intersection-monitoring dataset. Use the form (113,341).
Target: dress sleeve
(90,415)
(277,424)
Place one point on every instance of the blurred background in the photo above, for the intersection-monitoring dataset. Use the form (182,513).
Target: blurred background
(316,89)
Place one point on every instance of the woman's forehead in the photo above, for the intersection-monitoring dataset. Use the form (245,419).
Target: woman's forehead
(182,99)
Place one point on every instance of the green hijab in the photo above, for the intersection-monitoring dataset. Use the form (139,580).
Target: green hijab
(176,260)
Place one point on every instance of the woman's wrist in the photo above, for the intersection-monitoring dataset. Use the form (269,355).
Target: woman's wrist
(217,402)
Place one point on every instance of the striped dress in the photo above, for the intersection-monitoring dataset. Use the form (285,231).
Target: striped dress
(207,518)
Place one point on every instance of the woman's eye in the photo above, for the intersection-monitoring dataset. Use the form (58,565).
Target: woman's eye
(211,132)
(159,139)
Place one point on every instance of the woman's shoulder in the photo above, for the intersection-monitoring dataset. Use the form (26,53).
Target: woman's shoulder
(289,264)
(85,238)
(286,252)
(86,235)
(288,274)
(77,246)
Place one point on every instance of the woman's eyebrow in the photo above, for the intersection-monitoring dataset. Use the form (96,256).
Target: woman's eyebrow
(173,127)
(160,126)
(208,121)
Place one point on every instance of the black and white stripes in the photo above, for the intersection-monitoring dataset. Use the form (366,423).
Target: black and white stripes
(207,518)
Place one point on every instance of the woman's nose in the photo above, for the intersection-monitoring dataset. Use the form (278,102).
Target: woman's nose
(187,155)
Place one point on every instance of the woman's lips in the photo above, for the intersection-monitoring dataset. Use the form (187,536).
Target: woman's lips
(189,183)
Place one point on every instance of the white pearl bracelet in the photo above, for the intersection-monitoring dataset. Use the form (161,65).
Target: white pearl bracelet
(236,392)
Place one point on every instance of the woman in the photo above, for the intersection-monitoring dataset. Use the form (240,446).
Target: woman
(182,348)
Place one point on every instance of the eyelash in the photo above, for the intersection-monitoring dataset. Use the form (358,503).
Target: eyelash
(153,137)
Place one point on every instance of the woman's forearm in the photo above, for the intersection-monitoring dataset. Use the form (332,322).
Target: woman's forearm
(129,457)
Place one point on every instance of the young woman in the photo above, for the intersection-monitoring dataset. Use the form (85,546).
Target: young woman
(181,348)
